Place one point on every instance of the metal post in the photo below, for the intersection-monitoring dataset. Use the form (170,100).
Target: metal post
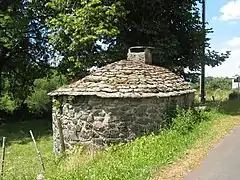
(202,79)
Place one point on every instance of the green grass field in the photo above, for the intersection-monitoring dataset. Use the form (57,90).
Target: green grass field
(137,160)
(21,161)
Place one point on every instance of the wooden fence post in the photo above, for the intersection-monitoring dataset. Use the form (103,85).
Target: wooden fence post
(3,157)
(38,152)
(61,137)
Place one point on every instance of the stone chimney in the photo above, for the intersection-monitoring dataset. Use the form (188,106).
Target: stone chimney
(141,53)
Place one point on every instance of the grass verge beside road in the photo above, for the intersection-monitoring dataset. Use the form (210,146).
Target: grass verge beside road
(156,156)
(219,128)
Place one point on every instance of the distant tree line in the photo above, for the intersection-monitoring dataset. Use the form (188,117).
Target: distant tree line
(215,83)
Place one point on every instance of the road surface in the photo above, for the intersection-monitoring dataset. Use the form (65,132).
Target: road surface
(222,162)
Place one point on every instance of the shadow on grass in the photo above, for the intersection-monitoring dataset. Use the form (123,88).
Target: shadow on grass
(228,107)
(18,132)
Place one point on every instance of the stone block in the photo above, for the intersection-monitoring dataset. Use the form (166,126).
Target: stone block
(99,118)
(86,135)
(90,118)
(111,133)
(98,125)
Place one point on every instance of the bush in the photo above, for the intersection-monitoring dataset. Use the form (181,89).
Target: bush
(39,102)
(185,121)
(213,83)
(234,95)
(7,103)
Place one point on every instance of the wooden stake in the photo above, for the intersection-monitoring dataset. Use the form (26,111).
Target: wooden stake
(38,152)
(61,138)
(3,156)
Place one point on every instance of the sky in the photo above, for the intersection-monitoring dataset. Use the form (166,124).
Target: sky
(224,17)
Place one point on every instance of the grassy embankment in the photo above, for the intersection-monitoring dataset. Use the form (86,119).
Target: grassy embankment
(157,156)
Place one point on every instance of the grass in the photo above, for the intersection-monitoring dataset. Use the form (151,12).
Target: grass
(21,159)
(177,170)
(139,159)
(218,94)
(136,160)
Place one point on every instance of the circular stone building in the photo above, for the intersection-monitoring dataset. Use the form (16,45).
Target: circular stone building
(117,103)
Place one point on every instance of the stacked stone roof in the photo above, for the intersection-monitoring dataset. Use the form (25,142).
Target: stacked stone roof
(128,78)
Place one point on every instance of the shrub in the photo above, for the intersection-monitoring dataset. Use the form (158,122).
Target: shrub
(234,95)
(171,113)
(7,103)
(223,83)
(186,120)
(39,102)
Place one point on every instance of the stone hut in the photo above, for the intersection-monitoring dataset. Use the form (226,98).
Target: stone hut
(116,103)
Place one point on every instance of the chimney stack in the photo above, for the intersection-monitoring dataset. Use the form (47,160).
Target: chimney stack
(141,53)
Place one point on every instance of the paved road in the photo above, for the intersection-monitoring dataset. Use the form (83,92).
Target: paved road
(222,163)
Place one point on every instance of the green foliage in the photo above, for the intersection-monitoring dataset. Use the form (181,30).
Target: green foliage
(214,83)
(77,35)
(175,30)
(217,88)
(136,160)
(186,121)
(24,48)
(39,102)
(57,104)
(231,107)
(16,95)
(76,27)
(7,103)
(234,95)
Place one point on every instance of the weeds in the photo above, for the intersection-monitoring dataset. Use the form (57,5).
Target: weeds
(138,159)
(134,160)
(186,121)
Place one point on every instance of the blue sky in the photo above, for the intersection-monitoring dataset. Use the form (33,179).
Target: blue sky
(224,17)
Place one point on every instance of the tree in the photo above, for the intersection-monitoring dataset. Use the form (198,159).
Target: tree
(23,46)
(82,34)
(214,83)
(38,102)
(78,27)
(174,28)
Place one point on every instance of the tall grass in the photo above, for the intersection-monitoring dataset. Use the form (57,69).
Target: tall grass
(135,160)
(139,159)
(217,95)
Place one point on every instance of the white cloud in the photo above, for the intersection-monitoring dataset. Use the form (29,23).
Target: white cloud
(234,42)
(230,11)
(232,65)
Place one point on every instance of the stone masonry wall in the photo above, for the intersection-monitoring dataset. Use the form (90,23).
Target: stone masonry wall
(98,122)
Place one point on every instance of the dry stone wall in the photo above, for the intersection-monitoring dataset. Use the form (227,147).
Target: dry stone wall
(98,122)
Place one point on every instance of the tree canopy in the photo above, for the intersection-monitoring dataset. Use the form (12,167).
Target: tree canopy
(174,28)
(77,35)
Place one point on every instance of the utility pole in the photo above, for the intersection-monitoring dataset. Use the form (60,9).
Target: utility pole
(202,79)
